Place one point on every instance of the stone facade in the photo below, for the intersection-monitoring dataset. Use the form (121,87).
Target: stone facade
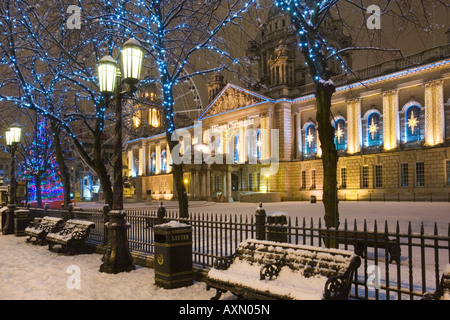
(392,135)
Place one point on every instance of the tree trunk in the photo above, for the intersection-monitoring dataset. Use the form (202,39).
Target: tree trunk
(177,168)
(329,154)
(177,174)
(65,176)
(37,182)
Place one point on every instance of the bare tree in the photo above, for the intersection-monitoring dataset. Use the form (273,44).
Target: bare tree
(322,46)
(179,37)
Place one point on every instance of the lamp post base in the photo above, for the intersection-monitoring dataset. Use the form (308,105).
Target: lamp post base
(8,228)
(117,257)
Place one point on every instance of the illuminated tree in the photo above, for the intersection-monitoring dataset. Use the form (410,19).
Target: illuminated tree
(182,39)
(322,47)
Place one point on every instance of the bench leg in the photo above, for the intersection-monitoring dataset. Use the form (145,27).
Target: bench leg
(218,294)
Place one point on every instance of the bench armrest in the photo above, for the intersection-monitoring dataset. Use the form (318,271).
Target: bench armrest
(271,270)
(338,287)
(223,263)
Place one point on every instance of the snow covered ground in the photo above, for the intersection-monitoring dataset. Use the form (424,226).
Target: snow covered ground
(31,272)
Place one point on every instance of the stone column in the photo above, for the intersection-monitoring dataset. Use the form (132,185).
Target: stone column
(208,184)
(197,184)
(158,159)
(391,128)
(224,186)
(142,160)
(230,197)
(434,113)
(354,128)
(203,186)
(130,162)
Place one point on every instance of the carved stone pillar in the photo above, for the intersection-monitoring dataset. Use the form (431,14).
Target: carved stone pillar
(391,128)
(354,128)
(434,113)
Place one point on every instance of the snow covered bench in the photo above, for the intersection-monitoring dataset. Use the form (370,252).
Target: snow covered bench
(72,236)
(272,270)
(362,240)
(39,230)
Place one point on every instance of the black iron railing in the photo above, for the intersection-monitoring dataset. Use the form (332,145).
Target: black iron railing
(422,258)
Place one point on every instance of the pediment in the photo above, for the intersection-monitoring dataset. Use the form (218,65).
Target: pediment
(232,98)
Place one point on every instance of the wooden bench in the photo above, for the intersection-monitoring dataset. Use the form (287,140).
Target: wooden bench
(271,270)
(362,240)
(39,230)
(72,236)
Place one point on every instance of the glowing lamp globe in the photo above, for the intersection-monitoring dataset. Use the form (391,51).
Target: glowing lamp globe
(13,134)
(107,73)
(132,56)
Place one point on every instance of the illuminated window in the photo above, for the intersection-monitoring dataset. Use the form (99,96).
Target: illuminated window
(258,144)
(236,149)
(374,130)
(413,124)
(340,135)
(163,161)
(153,163)
(137,118)
(311,140)
(153,117)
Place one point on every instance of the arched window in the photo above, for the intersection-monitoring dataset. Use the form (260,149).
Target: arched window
(311,140)
(374,130)
(153,163)
(163,161)
(236,147)
(137,117)
(412,124)
(153,117)
(340,136)
(258,144)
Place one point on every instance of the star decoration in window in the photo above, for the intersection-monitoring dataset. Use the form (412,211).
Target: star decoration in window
(373,128)
(413,122)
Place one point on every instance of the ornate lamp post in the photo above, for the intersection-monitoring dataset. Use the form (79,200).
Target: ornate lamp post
(117,257)
(12,140)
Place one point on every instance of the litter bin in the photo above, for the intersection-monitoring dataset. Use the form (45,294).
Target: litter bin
(277,226)
(313,199)
(22,220)
(173,255)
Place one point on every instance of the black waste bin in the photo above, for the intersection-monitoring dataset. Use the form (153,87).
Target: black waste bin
(22,220)
(173,255)
(313,199)
(277,226)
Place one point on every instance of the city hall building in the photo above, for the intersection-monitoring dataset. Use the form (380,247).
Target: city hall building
(392,123)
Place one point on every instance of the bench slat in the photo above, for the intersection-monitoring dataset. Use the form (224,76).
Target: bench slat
(301,265)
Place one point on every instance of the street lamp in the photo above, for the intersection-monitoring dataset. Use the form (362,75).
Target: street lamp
(117,257)
(12,140)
